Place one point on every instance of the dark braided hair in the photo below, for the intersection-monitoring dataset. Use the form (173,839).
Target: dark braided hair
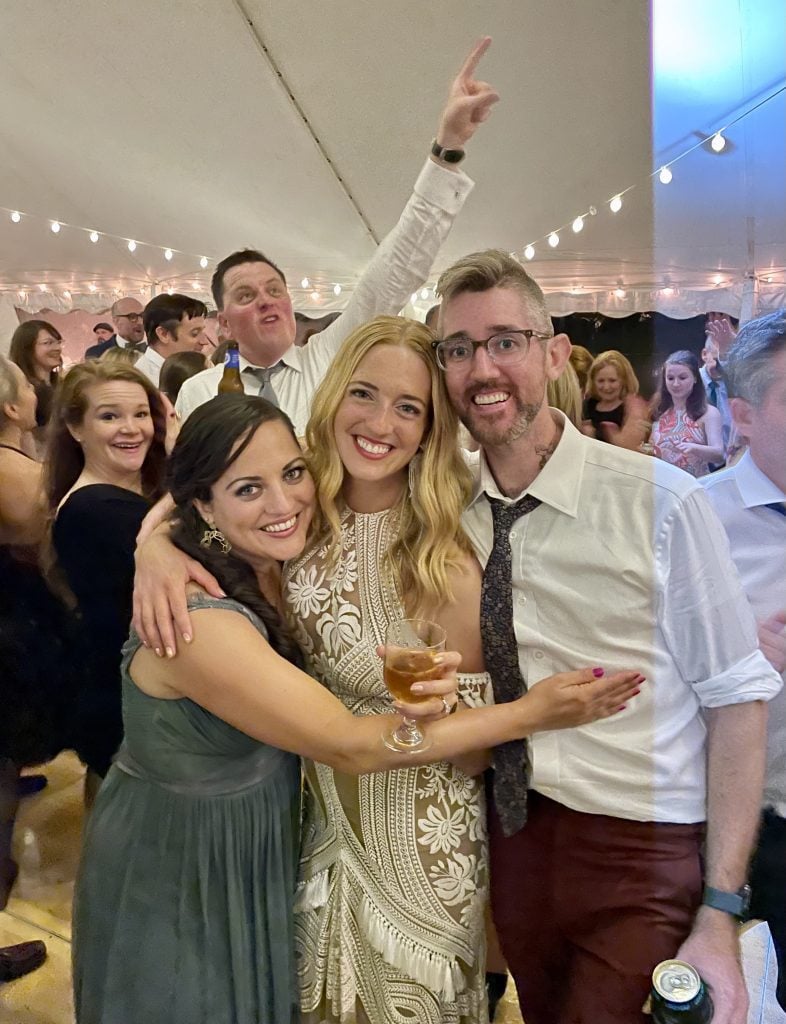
(202,453)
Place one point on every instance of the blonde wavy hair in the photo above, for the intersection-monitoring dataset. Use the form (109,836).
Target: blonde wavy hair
(565,393)
(630,382)
(430,540)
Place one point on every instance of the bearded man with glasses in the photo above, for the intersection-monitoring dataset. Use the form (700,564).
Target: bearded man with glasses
(589,549)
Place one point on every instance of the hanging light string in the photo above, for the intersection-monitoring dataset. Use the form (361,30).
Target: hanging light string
(663,173)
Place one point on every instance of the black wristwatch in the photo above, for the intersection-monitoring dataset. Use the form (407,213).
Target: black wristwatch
(450,156)
(734,903)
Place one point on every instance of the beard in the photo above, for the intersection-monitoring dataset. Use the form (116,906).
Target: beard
(493,435)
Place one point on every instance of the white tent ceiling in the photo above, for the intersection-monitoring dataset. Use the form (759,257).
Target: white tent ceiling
(206,125)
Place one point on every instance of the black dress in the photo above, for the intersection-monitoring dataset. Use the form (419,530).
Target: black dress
(36,657)
(94,537)
(596,417)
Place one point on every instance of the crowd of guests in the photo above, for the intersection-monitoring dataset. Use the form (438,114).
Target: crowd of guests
(221,571)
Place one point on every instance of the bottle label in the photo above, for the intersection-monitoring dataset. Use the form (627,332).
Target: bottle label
(232,359)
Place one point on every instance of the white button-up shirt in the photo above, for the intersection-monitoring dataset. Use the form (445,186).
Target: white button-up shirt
(624,565)
(757,536)
(150,363)
(401,263)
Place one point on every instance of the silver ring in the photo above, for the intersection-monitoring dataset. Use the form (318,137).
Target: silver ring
(446,706)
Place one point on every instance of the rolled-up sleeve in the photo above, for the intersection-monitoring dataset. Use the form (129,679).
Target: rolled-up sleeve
(706,620)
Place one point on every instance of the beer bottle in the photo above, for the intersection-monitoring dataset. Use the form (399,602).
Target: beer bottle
(230,380)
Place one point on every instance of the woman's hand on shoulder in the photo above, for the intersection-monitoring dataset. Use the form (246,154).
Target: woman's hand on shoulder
(160,607)
(569,699)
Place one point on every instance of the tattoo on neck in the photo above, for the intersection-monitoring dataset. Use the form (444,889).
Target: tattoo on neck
(544,452)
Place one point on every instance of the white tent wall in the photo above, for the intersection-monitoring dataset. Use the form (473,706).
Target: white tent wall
(207,125)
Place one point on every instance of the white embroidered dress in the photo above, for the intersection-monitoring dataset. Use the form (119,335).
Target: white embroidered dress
(389,913)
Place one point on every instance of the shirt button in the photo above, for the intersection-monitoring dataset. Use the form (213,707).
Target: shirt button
(539,655)
(521,598)
(513,535)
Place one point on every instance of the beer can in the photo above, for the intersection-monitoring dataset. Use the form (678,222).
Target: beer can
(679,996)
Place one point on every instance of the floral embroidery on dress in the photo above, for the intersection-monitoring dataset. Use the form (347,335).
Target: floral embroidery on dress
(394,872)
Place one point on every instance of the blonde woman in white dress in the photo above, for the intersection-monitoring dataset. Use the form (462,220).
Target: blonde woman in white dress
(393,875)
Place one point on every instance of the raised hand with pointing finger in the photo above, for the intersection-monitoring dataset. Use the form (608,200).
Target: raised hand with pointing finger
(468,105)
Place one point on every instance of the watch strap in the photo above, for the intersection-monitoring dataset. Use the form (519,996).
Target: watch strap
(734,903)
(450,156)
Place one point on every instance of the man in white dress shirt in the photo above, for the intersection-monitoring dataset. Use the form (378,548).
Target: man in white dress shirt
(618,561)
(750,500)
(255,308)
(173,323)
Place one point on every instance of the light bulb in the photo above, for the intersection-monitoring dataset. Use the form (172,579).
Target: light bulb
(196,286)
(315,295)
(336,289)
(168,254)
(553,239)
(616,204)
(203,262)
(667,291)
(55,226)
(170,290)
(619,293)
(304,283)
(91,287)
(718,143)
(578,224)
(529,252)
(93,236)
(16,216)
(66,294)
(718,279)
(131,245)
(42,287)
(424,294)
(665,175)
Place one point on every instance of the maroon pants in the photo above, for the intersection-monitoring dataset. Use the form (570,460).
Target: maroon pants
(586,905)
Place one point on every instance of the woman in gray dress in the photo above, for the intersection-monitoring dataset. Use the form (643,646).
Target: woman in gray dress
(183,906)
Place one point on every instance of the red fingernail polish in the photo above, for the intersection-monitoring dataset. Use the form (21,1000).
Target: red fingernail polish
(622,707)
(597,672)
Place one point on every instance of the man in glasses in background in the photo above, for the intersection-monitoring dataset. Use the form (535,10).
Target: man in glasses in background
(596,554)
(130,331)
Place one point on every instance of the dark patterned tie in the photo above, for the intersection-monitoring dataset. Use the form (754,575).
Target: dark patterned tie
(777,506)
(712,387)
(512,766)
(263,376)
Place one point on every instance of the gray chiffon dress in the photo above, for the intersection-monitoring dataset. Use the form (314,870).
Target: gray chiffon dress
(183,904)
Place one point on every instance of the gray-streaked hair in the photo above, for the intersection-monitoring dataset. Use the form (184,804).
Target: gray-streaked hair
(747,365)
(9,387)
(493,268)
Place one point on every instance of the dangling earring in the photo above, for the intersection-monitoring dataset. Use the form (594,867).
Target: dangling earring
(212,534)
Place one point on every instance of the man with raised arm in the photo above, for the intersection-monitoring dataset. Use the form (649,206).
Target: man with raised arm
(255,308)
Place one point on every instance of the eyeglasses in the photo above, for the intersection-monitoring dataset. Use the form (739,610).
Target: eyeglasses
(504,348)
(133,317)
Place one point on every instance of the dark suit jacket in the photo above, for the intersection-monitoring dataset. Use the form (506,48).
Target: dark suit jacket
(96,351)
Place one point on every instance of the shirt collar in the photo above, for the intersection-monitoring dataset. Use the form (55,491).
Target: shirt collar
(559,482)
(754,486)
(290,358)
(154,357)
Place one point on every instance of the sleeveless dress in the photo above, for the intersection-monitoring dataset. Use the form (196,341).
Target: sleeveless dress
(389,913)
(674,427)
(183,904)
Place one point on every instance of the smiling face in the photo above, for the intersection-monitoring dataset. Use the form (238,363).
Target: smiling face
(500,403)
(47,353)
(380,424)
(679,382)
(116,431)
(264,502)
(257,313)
(608,384)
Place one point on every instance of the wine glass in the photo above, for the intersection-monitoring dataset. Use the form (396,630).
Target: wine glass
(411,647)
